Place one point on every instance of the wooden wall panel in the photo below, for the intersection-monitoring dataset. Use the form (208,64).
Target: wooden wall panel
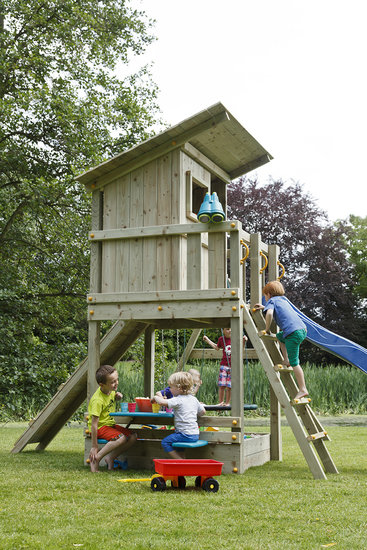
(109,248)
(150,218)
(164,206)
(136,220)
(123,247)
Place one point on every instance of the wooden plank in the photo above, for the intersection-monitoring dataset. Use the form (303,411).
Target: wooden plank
(255,277)
(210,354)
(109,248)
(122,248)
(194,262)
(217,260)
(186,353)
(136,220)
(166,230)
(175,184)
(165,296)
(164,215)
(235,265)
(171,310)
(206,163)
(220,421)
(149,352)
(96,247)
(150,220)
(94,354)
(275,426)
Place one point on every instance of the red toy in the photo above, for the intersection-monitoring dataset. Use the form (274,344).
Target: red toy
(175,470)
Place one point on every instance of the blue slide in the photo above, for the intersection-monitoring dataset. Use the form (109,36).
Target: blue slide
(337,345)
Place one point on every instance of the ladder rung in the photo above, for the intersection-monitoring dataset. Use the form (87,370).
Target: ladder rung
(282,368)
(267,336)
(318,435)
(301,401)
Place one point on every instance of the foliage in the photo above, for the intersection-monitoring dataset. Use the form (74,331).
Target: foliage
(62,109)
(357,248)
(47,500)
(319,277)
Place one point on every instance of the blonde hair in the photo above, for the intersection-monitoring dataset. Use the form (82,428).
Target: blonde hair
(182,380)
(195,374)
(274,288)
(196,379)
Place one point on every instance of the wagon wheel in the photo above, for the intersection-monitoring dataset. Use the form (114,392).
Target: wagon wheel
(181,483)
(198,481)
(158,484)
(211,485)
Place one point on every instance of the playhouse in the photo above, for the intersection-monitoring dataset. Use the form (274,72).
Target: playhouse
(154,265)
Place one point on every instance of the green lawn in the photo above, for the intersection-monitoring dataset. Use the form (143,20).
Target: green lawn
(49,500)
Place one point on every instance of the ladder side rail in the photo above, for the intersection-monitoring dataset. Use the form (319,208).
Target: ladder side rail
(293,419)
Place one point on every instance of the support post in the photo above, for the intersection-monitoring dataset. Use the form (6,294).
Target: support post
(94,336)
(276,450)
(94,354)
(149,354)
(237,397)
(255,276)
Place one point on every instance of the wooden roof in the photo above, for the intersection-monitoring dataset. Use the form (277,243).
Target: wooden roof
(214,132)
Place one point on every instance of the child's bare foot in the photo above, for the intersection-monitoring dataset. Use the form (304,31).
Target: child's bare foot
(221,404)
(227,404)
(301,394)
(110,462)
(286,364)
(94,465)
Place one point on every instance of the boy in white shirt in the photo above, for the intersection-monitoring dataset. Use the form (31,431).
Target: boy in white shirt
(186,409)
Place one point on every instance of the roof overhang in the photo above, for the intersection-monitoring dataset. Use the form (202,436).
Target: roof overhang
(214,132)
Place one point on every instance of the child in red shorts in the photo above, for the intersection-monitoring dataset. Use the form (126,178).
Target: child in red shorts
(224,378)
(102,425)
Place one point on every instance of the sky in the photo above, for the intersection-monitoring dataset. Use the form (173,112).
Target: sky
(293,73)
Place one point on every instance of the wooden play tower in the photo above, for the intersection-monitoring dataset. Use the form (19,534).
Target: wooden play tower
(154,266)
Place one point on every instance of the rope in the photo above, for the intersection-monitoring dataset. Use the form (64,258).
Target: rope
(177,347)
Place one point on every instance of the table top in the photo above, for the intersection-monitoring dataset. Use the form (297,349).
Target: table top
(145,414)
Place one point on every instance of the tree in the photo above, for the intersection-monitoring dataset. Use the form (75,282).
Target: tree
(63,109)
(357,248)
(319,278)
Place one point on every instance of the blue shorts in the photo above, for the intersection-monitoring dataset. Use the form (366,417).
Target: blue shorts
(177,438)
(224,378)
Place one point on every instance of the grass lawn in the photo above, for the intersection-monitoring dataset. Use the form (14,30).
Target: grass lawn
(50,500)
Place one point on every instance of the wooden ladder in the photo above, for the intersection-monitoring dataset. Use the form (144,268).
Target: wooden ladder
(306,427)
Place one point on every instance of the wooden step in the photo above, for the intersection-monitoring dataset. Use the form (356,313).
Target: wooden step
(282,368)
(301,401)
(318,435)
(267,336)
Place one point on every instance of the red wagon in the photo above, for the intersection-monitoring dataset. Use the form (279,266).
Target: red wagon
(176,470)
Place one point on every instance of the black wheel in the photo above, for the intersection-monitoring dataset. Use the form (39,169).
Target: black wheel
(211,485)
(198,481)
(158,484)
(181,483)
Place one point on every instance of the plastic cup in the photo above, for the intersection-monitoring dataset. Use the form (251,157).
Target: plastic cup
(155,407)
(131,407)
(124,407)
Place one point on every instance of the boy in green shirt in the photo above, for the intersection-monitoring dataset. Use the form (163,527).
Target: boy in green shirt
(102,425)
